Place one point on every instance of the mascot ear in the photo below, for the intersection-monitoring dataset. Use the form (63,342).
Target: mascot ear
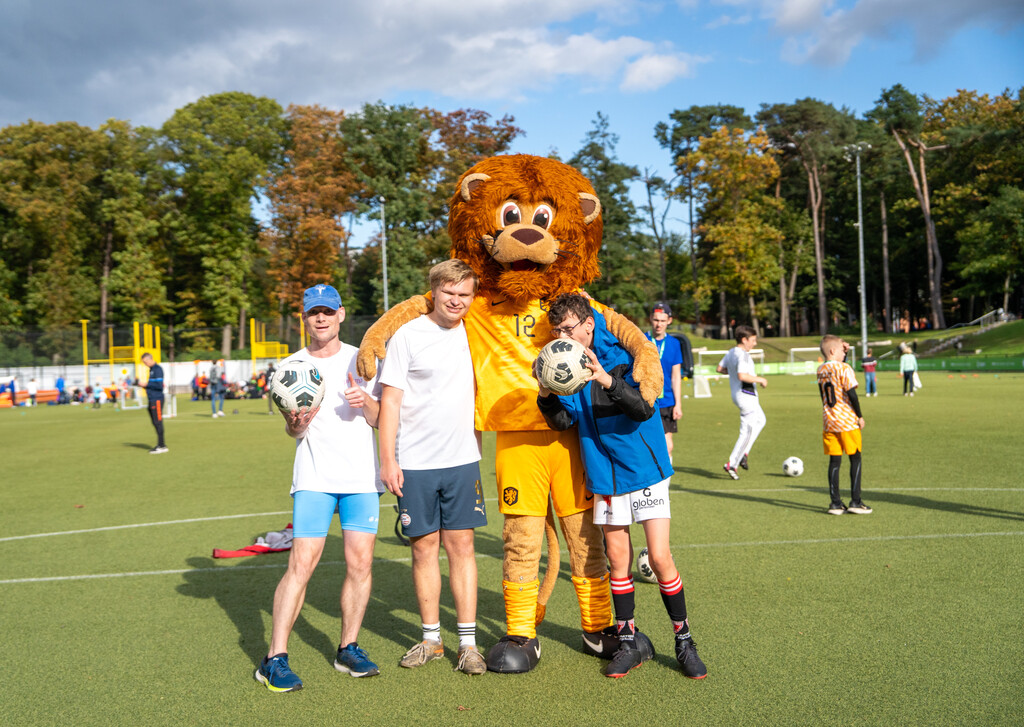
(591,207)
(470,183)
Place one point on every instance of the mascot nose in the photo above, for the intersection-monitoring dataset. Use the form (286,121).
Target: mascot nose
(527,236)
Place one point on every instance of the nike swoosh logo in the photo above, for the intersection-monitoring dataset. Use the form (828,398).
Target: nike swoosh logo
(496,302)
(589,497)
(537,649)
(597,647)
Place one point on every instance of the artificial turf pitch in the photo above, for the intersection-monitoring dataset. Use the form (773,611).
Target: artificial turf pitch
(911,615)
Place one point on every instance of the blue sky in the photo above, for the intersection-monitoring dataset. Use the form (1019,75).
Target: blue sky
(552,64)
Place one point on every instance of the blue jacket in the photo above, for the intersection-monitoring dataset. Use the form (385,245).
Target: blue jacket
(622,443)
(155,384)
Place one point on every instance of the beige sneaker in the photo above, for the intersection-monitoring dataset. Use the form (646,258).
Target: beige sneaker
(471,661)
(422,653)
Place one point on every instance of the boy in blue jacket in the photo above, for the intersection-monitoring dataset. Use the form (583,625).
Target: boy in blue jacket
(628,470)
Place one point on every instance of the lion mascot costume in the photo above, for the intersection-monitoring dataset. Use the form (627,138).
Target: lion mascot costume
(530,227)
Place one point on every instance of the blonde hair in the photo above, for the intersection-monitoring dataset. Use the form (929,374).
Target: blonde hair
(828,345)
(452,271)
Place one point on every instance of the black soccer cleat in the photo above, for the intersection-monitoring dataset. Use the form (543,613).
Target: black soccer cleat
(602,644)
(605,643)
(625,660)
(743,463)
(513,655)
(686,655)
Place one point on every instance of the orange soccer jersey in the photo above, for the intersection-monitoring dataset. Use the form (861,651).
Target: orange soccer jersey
(835,378)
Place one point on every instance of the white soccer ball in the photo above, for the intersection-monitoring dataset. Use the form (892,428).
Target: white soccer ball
(297,384)
(562,366)
(793,467)
(643,567)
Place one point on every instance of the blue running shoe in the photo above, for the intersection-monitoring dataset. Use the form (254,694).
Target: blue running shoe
(277,676)
(355,661)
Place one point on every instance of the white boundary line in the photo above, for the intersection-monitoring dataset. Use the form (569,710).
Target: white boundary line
(679,490)
(747,544)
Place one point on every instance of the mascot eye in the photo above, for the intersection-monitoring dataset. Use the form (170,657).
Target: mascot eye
(542,216)
(510,214)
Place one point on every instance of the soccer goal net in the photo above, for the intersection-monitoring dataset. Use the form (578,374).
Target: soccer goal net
(701,388)
(711,358)
(811,353)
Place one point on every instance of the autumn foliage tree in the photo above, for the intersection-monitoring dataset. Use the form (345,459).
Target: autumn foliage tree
(309,199)
(733,174)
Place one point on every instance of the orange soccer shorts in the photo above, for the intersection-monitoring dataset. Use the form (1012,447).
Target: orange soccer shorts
(839,442)
(533,465)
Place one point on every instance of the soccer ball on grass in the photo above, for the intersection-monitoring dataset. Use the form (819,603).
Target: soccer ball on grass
(793,467)
(297,384)
(643,567)
(562,366)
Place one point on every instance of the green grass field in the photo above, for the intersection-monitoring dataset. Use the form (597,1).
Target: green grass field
(114,613)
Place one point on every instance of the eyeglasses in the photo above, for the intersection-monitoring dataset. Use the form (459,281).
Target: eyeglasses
(564,330)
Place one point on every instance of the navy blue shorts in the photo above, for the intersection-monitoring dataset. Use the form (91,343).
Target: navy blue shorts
(670,425)
(449,498)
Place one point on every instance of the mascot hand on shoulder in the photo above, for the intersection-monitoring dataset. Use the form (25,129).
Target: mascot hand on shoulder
(530,227)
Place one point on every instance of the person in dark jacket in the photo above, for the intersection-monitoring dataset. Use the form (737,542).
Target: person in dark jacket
(155,396)
(627,469)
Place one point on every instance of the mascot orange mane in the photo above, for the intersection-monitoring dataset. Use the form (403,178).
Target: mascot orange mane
(530,227)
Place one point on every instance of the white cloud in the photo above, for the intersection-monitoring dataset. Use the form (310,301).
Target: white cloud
(655,70)
(818,32)
(723,20)
(140,60)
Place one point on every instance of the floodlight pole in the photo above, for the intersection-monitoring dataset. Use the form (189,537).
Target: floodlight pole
(856,149)
(384,252)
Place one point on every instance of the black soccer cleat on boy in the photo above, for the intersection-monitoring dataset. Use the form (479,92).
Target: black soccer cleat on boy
(625,660)
(743,463)
(859,508)
(686,655)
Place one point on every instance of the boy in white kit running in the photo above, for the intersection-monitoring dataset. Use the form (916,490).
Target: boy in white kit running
(430,458)
(742,377)
(335,470)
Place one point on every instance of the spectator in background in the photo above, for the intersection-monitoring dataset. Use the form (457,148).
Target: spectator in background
(61,394)
(908,367)
(33,391)
(270,382)
(155,395)
(218,387)
(868,364)
(204,386)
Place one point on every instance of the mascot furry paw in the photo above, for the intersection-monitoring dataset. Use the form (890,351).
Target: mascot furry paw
(530,227)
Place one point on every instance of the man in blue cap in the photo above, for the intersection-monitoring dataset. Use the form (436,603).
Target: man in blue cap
(335,470)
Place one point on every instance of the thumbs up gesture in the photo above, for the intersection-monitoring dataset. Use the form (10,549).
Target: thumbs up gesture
(355,396)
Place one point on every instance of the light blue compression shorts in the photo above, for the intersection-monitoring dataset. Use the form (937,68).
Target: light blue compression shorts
(312,512)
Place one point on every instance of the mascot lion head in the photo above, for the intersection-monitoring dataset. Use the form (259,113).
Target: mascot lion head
(529,226)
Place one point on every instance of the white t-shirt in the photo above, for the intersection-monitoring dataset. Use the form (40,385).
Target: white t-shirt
(432,367)
(738,361)
(338,453)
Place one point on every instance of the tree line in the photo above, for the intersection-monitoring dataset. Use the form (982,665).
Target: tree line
(234,205)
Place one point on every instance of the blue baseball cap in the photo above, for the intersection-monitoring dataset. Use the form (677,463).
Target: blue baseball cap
(322,294)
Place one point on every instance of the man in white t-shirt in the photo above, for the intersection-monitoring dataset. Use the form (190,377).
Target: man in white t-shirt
(430,458)
(742,377)
(335,470)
